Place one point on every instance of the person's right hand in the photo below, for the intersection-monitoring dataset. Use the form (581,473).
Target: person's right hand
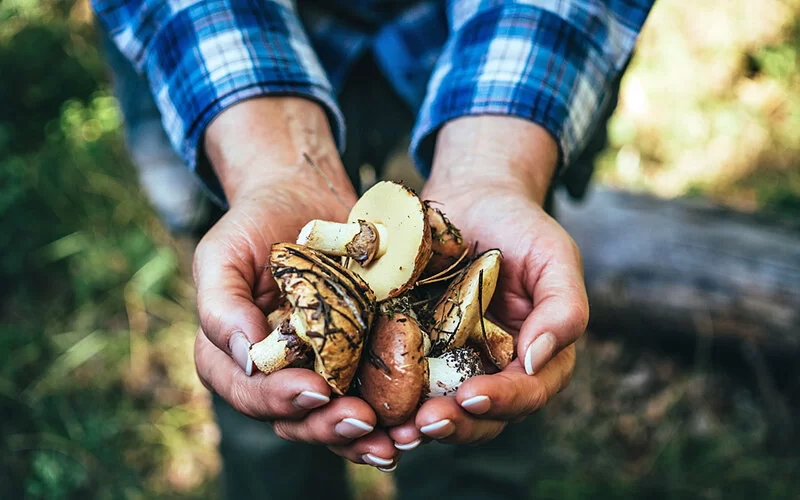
(256,148)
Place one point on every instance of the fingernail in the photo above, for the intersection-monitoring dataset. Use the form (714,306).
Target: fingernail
(477,404)
(439,430)
(387,469)
(240,352)
(308,400)
(352,428)
(539,352)
(371,459)
(408,446)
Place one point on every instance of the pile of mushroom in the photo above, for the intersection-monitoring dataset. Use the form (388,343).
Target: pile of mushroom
(397,260)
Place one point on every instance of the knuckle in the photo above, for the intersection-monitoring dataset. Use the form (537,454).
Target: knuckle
(240,398)
(575,250)
(578,318)
(201,363)
(281,429)
(201,251)
(536,400)
(569,367)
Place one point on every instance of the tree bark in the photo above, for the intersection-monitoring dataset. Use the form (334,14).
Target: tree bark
(665,268)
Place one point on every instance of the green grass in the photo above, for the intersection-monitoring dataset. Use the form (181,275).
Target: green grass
(98,396)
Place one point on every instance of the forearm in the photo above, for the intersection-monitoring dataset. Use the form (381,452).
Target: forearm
(263,142)
(550,63)
(202,58)
(495,152)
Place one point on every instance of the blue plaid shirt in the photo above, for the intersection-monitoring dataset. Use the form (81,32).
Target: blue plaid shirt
(553,62)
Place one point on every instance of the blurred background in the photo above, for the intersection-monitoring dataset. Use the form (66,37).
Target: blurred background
(98,395)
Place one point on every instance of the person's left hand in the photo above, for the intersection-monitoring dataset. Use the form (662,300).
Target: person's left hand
(540,296)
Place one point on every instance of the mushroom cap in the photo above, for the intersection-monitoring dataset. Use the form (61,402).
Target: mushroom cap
(408,248)
(492,342)
(392,373)
(465,301)
(333,307)
(447,244)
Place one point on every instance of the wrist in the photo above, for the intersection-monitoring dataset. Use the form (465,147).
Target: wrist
(495,154)
(259,143)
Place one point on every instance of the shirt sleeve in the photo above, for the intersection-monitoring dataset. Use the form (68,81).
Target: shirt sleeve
(553,62)
(202,56)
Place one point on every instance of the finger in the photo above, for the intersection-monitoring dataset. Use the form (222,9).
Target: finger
(340,422)
(287,394)
(226,272)
(513,393)
(444,420)
(560,309)
(375,449)
(406,436)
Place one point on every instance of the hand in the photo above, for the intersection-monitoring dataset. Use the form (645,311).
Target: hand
(493,192)
(256,148)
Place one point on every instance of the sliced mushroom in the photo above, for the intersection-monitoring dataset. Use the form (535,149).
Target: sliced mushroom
(447,244)
(393,370)
(457,317)
(386,236)
(331,311)
(447,372)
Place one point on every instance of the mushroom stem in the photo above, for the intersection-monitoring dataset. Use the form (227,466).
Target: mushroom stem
(448,372)
(282,347)
(334,238)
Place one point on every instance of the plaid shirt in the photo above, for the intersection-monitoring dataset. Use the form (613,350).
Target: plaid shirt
(553,62)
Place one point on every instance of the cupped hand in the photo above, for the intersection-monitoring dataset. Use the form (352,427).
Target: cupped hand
(540,295)
(235,289)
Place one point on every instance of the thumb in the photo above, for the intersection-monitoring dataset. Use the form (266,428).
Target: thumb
(560,312)
(225,279)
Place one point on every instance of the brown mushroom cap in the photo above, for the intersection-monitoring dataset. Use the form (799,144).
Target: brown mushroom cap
(333,308)
(447,244)
(393,371)
(492,342)
(465,301)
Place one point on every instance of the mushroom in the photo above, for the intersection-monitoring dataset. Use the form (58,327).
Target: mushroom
(276,317)
(330,311)
(447,244)
(447,372)
(386,236)
(283,346)
(458,316)
(493,342)
(395,375)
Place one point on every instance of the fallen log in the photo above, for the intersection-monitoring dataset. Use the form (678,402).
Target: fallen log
(663,268)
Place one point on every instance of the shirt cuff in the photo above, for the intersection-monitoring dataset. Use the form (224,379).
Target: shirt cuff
(519,61)
(213,54)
